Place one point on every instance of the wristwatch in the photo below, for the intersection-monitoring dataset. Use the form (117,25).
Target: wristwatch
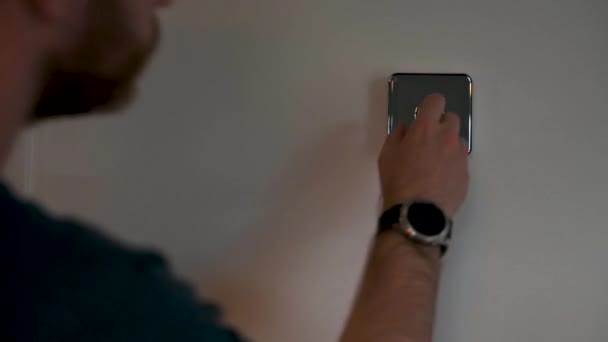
(420,221)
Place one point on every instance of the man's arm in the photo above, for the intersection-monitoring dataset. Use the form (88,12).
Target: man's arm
(427,161)
(397,297)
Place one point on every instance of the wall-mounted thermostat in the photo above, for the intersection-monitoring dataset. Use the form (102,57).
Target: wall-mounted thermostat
(406,92)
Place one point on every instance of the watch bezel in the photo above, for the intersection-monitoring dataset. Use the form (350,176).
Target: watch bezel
(410,231)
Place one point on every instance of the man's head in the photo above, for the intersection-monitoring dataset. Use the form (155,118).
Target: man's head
(96,50)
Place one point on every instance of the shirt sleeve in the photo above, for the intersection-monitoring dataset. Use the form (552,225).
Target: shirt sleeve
(63,281)
(158,307)
(127,295)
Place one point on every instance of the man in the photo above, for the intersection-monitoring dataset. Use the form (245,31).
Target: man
(63,282)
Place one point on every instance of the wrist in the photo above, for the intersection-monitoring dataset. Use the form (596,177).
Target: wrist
(392,244)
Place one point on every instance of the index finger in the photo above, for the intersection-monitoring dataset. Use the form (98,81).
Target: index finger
(432,108)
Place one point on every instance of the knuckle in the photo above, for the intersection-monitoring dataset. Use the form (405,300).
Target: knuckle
(423,124)
(452,137)
(453,120)
(425,130)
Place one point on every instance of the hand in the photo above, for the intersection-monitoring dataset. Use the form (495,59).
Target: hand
(427,161)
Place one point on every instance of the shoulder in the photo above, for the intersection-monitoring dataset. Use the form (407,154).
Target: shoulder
(86,285)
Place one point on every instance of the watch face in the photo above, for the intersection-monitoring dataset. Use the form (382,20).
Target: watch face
(426,218)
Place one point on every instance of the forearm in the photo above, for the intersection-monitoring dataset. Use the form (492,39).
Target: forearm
(426,162)
(396,300)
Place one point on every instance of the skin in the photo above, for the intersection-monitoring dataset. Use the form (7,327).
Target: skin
(427,161)
(72,57)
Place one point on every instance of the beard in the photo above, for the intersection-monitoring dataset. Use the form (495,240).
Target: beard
(84,81)
(73,93)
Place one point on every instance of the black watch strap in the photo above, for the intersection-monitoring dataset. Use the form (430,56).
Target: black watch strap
(389,218)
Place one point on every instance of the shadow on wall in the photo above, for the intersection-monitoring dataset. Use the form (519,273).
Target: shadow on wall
(310,231)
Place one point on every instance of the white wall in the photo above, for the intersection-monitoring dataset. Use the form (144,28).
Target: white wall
(250,160)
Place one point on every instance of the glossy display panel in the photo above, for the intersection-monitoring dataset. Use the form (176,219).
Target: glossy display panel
(406,91)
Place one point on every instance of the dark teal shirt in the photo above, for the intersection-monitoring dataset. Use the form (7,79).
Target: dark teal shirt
(60,281)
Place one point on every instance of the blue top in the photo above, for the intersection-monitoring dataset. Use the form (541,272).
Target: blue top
(60,281)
